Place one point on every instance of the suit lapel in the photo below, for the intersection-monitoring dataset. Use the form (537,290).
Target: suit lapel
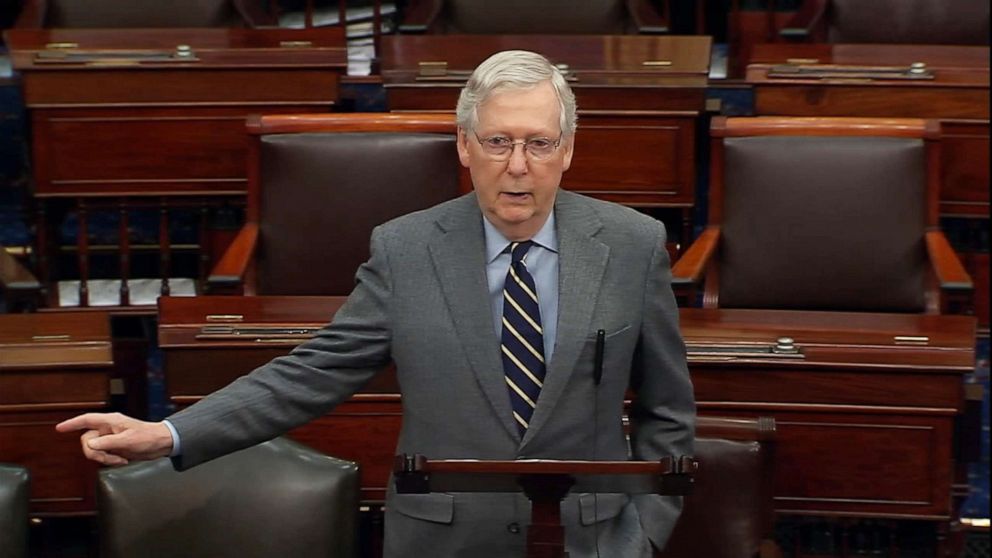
(581,263)
(458,254)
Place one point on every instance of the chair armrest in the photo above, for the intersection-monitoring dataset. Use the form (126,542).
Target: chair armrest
(802,26)
(230,270)
(948,268)
(32,15)
(254,15)
(17,282)
(689,268)
(420,16)
(646,17)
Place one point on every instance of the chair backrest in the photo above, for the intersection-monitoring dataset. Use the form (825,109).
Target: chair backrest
(946,22)
(823,214)
(485,17)
(138,14)
(278,498)
(14,481)
(730,510)
(324,182)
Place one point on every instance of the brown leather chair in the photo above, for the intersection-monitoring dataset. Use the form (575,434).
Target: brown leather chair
(14,480)
(939,22)
(319,184)
(522,17)
(144,14)
(279,498)
(825,214)
(730,512)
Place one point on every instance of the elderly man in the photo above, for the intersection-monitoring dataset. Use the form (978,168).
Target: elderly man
(491,306)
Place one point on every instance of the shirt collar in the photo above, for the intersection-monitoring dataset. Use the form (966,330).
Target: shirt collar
(496,243)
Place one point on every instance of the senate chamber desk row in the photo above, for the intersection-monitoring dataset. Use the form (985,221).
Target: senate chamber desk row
(151,241)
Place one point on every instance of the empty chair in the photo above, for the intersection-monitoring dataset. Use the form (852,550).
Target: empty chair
(319,184)
(730,512)
(834,214)
(144,13)
(279,498)
(522,17)
(14,481)
(937,22)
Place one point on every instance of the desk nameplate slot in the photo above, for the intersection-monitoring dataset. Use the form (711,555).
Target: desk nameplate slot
(916,71)
(257,334)
(784,348)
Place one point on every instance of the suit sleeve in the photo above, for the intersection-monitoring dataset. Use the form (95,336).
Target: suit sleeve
(292,390)
(663,411)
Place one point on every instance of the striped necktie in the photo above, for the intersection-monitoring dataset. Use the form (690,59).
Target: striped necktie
(522,341)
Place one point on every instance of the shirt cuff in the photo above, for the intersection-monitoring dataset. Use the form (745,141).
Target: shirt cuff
(176,446)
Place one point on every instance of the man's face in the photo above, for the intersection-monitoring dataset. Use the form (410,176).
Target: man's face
(516,194)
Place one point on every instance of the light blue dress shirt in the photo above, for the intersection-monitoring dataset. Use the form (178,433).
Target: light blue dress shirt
(542,263)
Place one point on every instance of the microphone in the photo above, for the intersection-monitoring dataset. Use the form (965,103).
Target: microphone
(597,371)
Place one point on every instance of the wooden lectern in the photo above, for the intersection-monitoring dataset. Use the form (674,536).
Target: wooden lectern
(546,483)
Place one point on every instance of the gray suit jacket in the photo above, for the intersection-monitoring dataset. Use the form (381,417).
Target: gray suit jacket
(422,301)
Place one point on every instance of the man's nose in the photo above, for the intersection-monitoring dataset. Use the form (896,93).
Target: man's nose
(517,164)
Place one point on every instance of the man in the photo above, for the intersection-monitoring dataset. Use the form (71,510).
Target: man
(492,306)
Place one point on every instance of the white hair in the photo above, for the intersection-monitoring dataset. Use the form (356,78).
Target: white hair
(514,69)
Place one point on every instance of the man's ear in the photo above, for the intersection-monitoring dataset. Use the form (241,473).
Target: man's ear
(568,150)
(462,144)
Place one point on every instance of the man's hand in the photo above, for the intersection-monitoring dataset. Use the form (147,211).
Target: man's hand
(115,439)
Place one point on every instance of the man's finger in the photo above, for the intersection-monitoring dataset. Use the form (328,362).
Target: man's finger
(89,421)
(96,454)
(109,443)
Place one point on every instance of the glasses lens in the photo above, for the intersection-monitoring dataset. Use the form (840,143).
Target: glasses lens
(540,148)
(500,147)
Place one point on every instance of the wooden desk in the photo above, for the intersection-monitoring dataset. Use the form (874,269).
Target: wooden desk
(52,367)
(865,422)
(364,429)
(957,94)
(865,412)
(639,98)
(122,112)
(127,118)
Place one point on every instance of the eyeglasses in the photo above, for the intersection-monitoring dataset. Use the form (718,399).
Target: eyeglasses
(500,148)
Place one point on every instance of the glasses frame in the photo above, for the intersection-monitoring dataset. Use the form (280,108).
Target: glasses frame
(513,146)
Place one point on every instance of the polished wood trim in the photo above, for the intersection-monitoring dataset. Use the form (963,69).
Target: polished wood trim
(821,126)
(736,428)
(234,263)
(352,122)
(825,408)
(692,265)
(946,264)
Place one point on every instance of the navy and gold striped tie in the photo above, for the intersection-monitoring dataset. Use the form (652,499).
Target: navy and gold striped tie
(522,342)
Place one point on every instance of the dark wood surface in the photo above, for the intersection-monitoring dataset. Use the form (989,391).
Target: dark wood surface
(118,120)
(865,416)
(52,367)
(363,429)
(638,99)
(958,95)
(121,116)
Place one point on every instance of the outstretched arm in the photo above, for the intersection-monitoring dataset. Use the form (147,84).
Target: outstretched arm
(116,439)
